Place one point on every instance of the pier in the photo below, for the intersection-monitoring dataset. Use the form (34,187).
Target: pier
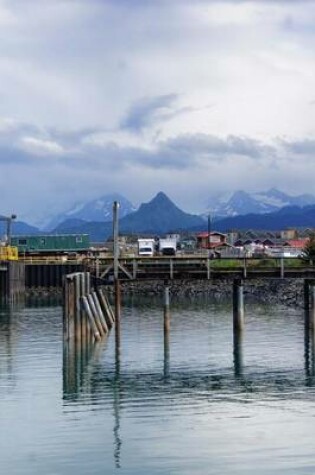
(12,281)
(198,267)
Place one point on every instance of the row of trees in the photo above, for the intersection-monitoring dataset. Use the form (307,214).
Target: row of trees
(309,249)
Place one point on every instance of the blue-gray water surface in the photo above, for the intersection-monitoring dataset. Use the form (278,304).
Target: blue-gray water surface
(197,402)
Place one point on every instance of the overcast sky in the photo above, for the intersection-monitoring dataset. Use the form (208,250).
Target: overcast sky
(190,97)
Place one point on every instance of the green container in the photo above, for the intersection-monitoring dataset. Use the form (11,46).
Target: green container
(51,243)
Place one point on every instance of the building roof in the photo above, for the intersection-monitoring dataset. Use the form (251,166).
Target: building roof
(205,234)
(299,243)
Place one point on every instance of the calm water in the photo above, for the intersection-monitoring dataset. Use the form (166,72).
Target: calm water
(198,404)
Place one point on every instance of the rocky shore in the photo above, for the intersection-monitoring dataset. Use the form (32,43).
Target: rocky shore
(282,291)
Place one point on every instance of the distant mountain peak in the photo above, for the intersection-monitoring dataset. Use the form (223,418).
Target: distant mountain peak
(97,210)
(241,202)
(161,196)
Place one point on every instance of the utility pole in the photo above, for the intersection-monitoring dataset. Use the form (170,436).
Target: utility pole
(209,230)
(116,264)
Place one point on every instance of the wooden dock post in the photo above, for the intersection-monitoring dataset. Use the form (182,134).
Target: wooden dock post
(84,321)
(77,296)
(238,353)
(238,305)
(95,315)
(116,266)
(312,309)
(167,319)
(208,269)
(245,267)
(100,311)
(109,316)
(306,289)
(281,267)
(94,329)
(167,327)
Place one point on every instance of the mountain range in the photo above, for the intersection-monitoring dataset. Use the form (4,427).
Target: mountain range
(158,216)
(242,203)
(100,209)
(161,215)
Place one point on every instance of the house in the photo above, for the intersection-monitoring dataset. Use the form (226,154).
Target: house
(211,240)
(297,244)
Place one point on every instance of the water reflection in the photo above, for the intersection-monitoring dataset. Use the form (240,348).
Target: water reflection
(309,354)
(157,394)
(8,341)
(117,397)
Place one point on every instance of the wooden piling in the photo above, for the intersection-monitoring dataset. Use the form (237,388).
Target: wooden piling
(99,311)
(106,308)
(116,264)
(87,308)
(77,296)
(238,353)
(312,309)
(95,315)
(238,305)
(167,315)
(65,319)
(71,307)
(84,320)
(306,291)
(281,267)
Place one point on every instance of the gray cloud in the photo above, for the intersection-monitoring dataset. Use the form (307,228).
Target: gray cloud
(148,111)
(70,68)
(301,147)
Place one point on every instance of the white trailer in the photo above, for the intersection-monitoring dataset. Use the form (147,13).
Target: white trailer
(146,247)
(167,246)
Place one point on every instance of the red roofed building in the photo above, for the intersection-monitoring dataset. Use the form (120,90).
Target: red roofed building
(212,241)
(296,243)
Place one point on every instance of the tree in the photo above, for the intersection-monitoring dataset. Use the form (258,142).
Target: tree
(309,249)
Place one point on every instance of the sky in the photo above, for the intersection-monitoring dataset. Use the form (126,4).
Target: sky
(194,98)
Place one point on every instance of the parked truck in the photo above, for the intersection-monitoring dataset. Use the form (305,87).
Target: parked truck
(146,247)
(167,246)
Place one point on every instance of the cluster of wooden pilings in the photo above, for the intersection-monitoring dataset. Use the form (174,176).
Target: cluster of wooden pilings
(86,313)
(12,281)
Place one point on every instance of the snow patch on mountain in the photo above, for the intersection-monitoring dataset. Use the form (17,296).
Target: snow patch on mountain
(241,202)
(100,210)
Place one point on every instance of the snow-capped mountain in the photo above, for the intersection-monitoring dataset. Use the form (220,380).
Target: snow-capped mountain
(241,202)
(100,209)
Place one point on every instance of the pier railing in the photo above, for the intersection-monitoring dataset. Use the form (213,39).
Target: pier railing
(201,267)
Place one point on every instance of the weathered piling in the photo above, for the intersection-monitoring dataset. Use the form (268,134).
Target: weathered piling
(282,268)
(90,316)
(312,306)
(238,305)
(84,321)
(238,353)
(107,310)
(167,315)
(116,274)
(100,311)
(95,315)
(12,281)
(306,289)
(83,316)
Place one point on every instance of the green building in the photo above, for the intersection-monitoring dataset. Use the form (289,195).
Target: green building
(51,243)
